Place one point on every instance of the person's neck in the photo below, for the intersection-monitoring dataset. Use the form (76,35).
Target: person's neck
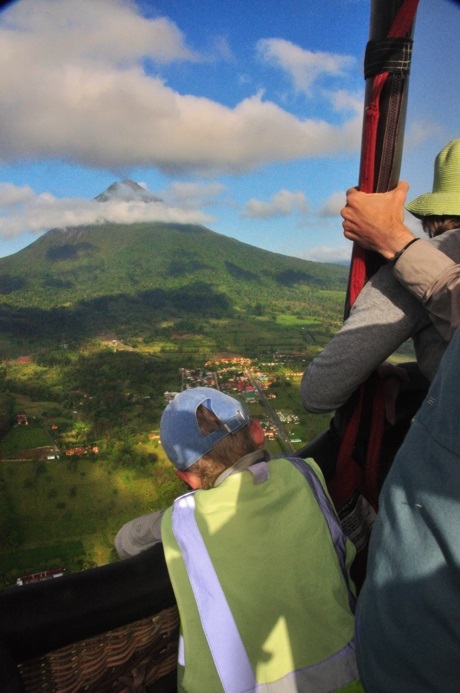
(243,463)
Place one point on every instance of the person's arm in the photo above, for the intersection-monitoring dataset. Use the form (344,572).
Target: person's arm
(376,222)
(383,316)
(434,279)
(139,534)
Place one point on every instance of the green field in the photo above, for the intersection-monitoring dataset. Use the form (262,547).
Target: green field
(67,512)
(24,437)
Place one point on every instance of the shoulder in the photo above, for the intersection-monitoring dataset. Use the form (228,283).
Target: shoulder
(306,466)
(383,294)
(449,243)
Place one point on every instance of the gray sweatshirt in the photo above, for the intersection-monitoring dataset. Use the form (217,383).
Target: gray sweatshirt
(383,316)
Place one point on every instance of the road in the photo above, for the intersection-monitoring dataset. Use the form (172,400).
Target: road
(273,416)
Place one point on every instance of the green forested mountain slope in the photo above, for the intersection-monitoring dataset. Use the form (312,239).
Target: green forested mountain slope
(87,280)
(66,266)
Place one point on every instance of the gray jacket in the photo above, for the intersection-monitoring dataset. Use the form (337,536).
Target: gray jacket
(432,277)
(408,616)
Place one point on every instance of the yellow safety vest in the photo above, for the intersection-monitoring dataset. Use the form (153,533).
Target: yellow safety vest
(259,567)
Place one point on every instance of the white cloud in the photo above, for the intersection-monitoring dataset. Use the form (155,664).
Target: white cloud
(74,87)
(105,31)
(328,254)
(303,66)
(282,204)
(333,204)
(192,195)
(244,79)
(222,49)
(346,101)
(12,195)
(22,210)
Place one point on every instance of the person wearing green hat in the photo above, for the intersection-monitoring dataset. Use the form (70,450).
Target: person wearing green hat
(411,296)
(376,222)
(257,558)
(408,611)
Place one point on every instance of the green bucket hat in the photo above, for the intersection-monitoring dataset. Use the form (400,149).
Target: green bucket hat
(445,198)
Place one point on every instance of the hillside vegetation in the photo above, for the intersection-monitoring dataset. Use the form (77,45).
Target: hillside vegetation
(152,280)
(67,267)
(96,324)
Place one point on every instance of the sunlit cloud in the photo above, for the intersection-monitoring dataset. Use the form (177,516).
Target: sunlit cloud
(222,49)
(333,205)
(14,196)
(75,87)
(192,195)
(304,67)
(91,32)
(325,253)
(281,204)
(21,210)
(346,101)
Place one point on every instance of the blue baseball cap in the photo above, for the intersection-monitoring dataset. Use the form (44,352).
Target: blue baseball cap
(180,435)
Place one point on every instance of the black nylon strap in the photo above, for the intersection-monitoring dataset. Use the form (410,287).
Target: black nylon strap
(400,252)
(391,55)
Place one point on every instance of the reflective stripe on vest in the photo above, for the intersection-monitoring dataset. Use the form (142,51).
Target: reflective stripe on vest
(225,643)
(228,651)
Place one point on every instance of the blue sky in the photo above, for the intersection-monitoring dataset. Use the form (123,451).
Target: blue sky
(244,116)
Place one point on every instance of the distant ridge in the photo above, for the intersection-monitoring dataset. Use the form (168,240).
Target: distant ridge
(66,266)
(127,191)
(155,278)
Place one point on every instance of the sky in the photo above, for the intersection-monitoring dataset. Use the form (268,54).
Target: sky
(241,115)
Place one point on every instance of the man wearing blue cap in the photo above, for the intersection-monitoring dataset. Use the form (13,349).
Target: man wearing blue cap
(256,556)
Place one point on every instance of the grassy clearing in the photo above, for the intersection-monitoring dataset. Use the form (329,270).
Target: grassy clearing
(296,321)
(68,513)
(33,408)
(24,437)
(65,513)
(50,556)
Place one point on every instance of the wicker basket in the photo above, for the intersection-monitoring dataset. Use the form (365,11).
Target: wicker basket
(141,656)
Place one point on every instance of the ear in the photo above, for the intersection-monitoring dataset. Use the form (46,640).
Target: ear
(189,478)
(257,433)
